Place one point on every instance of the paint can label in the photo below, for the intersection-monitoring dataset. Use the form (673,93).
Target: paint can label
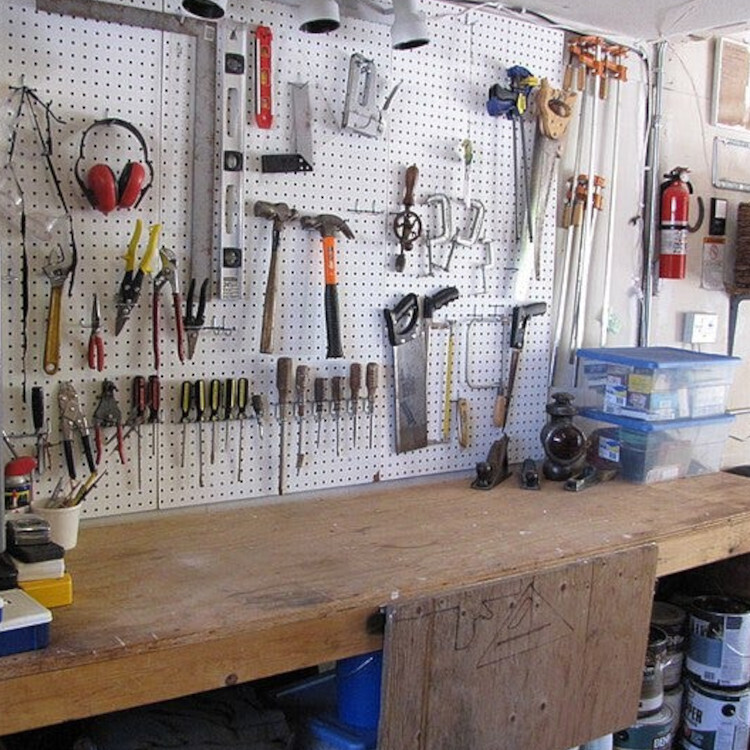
(715,719)
(719,642)
(650,733)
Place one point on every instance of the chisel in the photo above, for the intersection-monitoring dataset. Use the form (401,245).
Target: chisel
(337,397)
(319,390)
(302,381)
(284,386)
(372,382)
(259,409)
(355,385)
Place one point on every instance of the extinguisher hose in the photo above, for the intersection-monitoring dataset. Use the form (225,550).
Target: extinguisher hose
(692,228)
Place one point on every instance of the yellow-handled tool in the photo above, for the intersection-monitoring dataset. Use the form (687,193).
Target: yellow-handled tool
(57,271)
(130,287)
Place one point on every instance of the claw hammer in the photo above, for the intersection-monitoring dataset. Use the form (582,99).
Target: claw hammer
(329,226)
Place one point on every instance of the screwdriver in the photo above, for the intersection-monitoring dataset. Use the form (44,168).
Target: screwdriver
(259,409)
(302,382)
(372,382)
(355,384)
(243,386)
(230,400)
(214,402)
(154,403)
(337,396)
(139,415)
(319,388)
(186,404)
(200,409)
(284,375)
(37,415)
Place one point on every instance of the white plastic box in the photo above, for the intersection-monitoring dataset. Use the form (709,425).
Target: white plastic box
(654,383)
(649,451)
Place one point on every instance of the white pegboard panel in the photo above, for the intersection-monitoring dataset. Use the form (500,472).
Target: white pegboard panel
(90,70)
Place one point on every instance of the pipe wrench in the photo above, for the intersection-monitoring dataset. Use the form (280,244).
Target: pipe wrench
(56,270)
(72,418)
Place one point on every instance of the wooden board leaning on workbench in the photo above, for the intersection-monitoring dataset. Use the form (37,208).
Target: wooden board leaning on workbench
(548,659)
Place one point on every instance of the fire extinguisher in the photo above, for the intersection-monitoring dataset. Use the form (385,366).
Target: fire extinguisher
(674,223)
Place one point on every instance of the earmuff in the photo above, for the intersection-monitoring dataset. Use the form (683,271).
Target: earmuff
(102,188)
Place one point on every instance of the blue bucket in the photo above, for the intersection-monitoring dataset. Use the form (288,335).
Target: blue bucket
(358,689)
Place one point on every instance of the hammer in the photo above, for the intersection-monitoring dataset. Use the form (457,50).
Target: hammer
(280,214)
(328,226)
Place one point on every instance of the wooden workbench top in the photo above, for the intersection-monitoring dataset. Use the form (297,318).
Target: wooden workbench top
(176,602)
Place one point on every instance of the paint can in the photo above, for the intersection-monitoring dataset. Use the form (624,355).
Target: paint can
(672,620)
(652,685)
(719,641)
(648,733)
(673,698)
(716,719)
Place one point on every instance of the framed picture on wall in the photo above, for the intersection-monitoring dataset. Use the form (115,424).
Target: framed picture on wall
(730,105)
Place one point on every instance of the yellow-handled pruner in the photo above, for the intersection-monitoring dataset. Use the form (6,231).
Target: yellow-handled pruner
(130,287)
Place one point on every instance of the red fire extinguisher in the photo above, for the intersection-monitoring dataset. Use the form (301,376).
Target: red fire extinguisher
(674,223)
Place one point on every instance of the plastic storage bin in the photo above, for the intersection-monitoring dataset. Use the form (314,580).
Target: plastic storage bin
(25,624)
(654,383)
(649,452)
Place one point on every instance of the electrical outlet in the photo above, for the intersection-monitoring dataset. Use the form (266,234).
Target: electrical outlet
(700,328)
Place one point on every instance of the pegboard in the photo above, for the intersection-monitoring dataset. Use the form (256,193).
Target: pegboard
(91,70)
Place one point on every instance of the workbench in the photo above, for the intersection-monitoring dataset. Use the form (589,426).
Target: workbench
(173,603)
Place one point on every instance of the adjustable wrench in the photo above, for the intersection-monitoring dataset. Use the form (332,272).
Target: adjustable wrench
(57,271)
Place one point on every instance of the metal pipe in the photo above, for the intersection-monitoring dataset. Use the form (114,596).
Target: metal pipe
(651,193)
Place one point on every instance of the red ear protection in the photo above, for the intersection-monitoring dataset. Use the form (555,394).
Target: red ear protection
(102,188)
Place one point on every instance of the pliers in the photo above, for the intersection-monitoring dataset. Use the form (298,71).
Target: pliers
(195,320)
(130,287)
(167,275)
(72,417)
(108,414)
(96,343)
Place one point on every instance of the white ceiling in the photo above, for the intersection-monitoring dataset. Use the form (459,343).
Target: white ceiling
(645,20)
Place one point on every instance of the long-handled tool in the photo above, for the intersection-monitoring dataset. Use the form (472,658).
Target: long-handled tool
(284,386)
(280,214)
(57,270)
(199,390)
(230,401)
(154,404)
(520,317)
(329,226)
(214,406)
(186,406)
(338,383)
(407,226)
(167,275)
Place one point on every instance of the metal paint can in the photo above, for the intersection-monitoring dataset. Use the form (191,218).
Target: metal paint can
(648,733)
(652,685)
(719,642)
(672,620)
(673,698)
(715,719)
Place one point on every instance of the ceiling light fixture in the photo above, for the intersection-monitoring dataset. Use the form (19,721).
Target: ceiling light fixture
(213,9)
(409,29)
(319,16)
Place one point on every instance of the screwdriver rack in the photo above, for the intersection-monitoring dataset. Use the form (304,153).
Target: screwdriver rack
(69,61)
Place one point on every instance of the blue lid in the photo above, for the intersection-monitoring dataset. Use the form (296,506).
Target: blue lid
(643,425)
(655,357)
